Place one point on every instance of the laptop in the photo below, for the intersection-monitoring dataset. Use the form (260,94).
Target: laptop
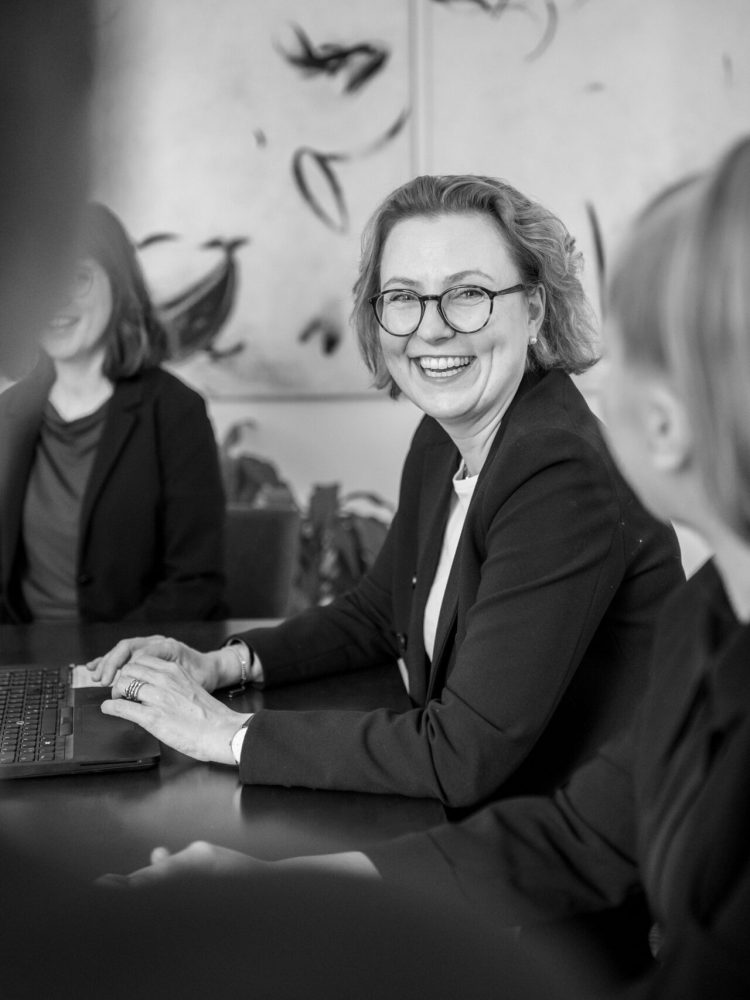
(49,725)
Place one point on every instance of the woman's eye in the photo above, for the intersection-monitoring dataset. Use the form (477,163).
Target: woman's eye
(399,298)
(467,293)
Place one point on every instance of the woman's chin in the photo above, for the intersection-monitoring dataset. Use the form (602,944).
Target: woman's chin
(447,406)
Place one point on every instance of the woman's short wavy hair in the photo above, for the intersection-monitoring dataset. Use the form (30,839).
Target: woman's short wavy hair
(541,246)
(134,337)
(680,297)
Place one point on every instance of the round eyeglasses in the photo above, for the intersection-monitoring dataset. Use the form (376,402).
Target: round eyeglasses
(465,308)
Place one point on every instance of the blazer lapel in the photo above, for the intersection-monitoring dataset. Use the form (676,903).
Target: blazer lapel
(122,416)
(440,463)
(446,628)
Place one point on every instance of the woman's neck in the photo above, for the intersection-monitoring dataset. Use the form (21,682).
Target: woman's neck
(732,559)
(474,442)
(80,387)
(693,507)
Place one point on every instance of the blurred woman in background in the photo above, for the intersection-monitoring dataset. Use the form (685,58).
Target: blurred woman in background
(111,503)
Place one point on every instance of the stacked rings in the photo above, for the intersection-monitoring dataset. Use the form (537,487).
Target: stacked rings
(131,691)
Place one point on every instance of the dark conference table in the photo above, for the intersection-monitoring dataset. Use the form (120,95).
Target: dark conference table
(96,823)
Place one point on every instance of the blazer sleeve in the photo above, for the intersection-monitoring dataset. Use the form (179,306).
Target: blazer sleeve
(353,632)
(192,511)
(549,558)
(524,861)
(534,859)
(707,958)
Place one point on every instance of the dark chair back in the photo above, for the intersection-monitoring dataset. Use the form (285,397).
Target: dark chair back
(261,550)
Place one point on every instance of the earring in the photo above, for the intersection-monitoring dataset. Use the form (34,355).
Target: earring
(532,341)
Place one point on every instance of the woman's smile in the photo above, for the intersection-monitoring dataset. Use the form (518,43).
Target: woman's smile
(438,367)
(62,322)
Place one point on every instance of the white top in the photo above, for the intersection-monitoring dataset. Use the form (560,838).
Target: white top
(463,491)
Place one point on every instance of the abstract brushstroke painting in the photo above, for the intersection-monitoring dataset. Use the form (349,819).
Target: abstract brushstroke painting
(317,179)
(291,119)
(357,63)
(195,315)
(549,16)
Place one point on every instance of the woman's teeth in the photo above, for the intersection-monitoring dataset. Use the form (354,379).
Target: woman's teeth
(443,367)
(61,322)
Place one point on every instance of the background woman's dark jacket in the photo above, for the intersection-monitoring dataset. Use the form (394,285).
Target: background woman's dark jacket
(151,530)
(543,636)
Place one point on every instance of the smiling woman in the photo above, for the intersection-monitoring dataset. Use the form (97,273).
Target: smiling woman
(462,362)
(99,444)
(75,333)
(520,578)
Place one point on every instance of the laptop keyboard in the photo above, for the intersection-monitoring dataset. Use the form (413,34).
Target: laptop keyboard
(34,715)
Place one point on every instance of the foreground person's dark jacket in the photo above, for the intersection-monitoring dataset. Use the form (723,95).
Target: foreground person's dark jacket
(664,810)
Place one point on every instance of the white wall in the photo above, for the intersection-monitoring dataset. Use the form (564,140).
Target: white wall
(359,443)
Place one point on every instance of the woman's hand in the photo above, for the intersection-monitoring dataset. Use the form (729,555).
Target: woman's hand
(173,706)
(199,858)
(210,670)
(207,859)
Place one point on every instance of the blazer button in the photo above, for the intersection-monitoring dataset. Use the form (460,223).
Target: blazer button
(413,581)
(84,578)
(401,640)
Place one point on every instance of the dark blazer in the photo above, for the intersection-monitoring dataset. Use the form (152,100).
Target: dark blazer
(664,809)
(542,637)
(151,528)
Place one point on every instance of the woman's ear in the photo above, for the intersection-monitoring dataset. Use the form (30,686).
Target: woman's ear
(536,303)
(669,436)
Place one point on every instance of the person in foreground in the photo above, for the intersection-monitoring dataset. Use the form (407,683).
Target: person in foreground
(520,579)
(111,502)
(663,810)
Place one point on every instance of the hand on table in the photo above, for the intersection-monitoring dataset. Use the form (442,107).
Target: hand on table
(173,706)
(209,670)
(199,858)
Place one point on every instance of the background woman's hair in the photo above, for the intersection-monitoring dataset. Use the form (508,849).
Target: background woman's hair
(680,294)
(538,242)
(134,338)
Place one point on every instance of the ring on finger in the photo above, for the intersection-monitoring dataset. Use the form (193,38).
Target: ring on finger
(131,691)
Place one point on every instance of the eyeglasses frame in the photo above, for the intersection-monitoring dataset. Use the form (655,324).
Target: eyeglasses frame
(77,295)
(437,299)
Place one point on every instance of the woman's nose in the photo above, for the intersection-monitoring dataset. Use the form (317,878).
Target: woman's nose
(433,327)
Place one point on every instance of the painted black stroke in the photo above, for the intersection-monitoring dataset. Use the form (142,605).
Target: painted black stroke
(307,160)
(359,63)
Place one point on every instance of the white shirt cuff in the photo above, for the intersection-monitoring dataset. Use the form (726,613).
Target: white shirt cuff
(238,740)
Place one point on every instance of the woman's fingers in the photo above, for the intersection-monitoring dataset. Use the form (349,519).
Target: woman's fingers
(199,857)
(149,670)
(175,709)
(162,868)
(153,669)
(104,668)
